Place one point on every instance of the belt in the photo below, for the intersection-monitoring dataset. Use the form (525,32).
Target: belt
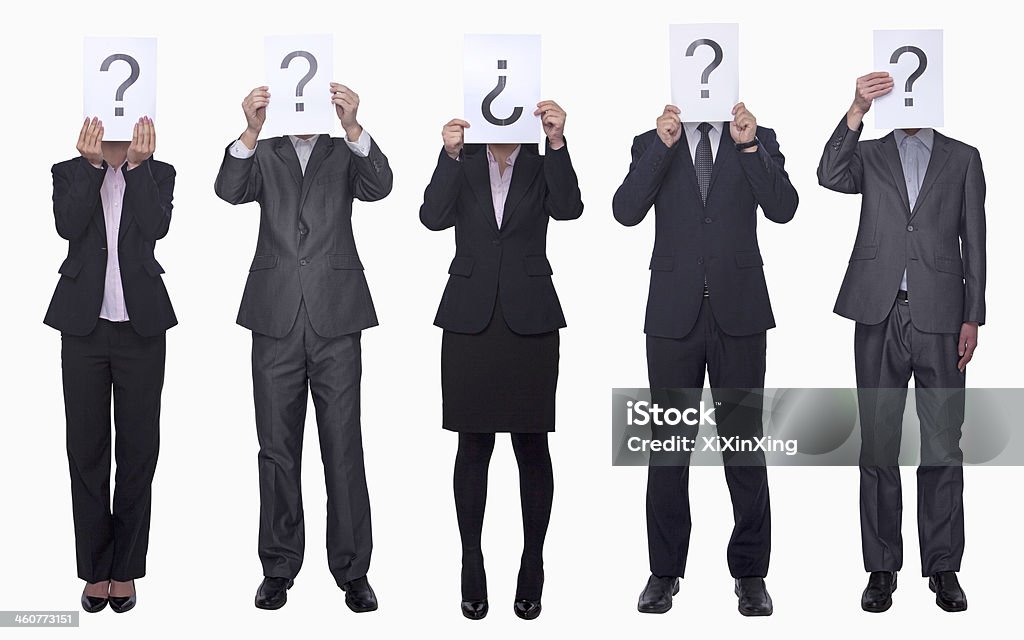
(902,296)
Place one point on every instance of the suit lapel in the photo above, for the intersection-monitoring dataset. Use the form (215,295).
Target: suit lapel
(891,154)
(939,157)
(323,148)
(723,157)
(681,151)
(523,173)
(479,178)
(284,150)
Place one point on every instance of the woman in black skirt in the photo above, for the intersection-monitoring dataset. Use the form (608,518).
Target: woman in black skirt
(500,315)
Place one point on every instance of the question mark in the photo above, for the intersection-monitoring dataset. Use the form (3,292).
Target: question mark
(922,64)
(129,81)
(489,98)
(706,93)
(304,80)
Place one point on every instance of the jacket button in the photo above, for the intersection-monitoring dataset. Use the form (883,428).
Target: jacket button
(700,260)
(707,220)
(303,231)
(496,242)
(303,262)
(910,227)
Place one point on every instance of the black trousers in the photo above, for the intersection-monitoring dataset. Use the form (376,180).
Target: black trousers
(886,355)
(284,372)
(736,366)
(113,360)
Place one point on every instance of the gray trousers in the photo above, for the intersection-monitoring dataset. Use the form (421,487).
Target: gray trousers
(282,371)
(886,355)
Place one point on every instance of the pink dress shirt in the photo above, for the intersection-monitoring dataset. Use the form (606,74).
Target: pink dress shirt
(112,196)
(500,182)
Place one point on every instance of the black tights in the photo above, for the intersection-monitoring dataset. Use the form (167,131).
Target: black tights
(536,488)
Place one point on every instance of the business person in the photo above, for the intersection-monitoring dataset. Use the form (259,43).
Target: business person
(915,286)
(306,302)
(112,203)
(708,308)
(500,315)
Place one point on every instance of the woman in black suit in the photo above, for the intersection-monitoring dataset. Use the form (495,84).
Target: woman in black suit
(500,315)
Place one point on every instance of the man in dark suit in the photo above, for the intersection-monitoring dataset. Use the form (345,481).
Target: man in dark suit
(112,203)
(915,286)
(306,302)
(708,307)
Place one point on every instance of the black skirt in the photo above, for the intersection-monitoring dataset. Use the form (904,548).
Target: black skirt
(498,380)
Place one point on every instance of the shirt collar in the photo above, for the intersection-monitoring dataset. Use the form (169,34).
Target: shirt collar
(510,161)
(691,128)
(926,136)
(297,141)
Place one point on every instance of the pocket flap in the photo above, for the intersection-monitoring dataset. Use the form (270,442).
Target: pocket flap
(461,266)
(948,264)
(70,267)
(344,261)
(746,259)
(663,263)
(152,267)
(263,262)
(537,266)
(866,252)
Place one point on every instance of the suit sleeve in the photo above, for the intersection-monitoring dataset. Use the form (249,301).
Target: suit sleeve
(841,168)
(972,241)
(636,195)
(239,179)
(766,174)
(439,200)
(370,178)
(76,194)
(150,198)
(563,200)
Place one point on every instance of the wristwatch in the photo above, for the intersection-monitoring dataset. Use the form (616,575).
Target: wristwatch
(740,146)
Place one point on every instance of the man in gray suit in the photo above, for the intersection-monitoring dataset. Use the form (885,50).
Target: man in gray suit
(915,286)
(306,302)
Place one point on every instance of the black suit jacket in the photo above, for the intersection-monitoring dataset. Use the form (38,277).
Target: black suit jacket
(145,218)
(940,243)
(305,250)
(717,241)
(510,261)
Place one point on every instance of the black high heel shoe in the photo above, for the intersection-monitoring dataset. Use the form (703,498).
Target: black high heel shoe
(531,581)
(527,609)
(92,604)
(121,604)
(475,609)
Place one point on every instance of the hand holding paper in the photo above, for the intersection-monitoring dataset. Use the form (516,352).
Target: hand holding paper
(552,118)
(743,126)
(143,143)
(873,85)
(669,127)
(453,136)
(346,105)
(90,141)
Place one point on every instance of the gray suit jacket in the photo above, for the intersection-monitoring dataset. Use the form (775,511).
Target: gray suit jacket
(940,243)
(305,251)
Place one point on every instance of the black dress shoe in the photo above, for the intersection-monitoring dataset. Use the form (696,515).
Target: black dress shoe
(359,595)
(527,609)
(474,609)
(273,593)
(753,597)
(949,595)
(657,595)
(877,596)
(92,604)
(122,604)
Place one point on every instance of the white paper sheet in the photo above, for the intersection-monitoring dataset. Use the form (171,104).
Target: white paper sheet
(119,83)
(704,64)
(501,79)
(299,72)
(916,99)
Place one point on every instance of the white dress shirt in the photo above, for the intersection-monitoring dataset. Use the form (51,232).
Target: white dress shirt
(303,148)
(500,181)
(693,137)
(112,196)
(915,153)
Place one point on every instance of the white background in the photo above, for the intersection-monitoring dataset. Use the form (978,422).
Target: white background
(610,73)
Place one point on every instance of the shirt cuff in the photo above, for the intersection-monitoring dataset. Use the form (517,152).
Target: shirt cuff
(240,151)
(360,147)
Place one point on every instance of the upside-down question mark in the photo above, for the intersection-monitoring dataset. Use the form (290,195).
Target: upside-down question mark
(304,80)
(129,81)
(922,64)
(717,48)
(489,98)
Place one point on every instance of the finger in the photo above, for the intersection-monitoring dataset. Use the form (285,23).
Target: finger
(457,123)
(671,108)
(874,74)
